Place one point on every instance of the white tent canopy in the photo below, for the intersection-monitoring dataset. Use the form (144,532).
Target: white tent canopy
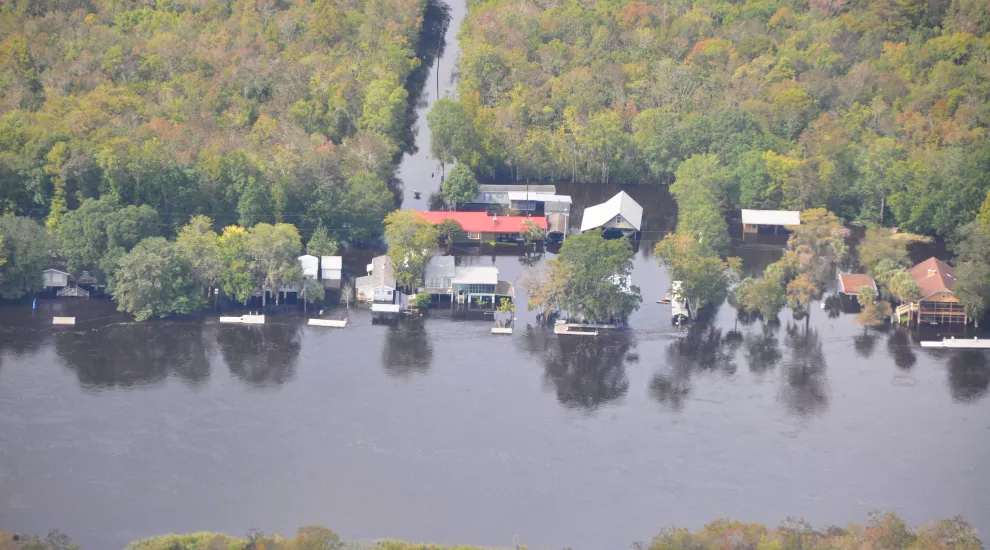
(620,205)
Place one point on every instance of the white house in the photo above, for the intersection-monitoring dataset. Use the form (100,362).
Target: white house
(379,284)
(330,270)
(55,278)
(310,266)
(620,212)
(753,220)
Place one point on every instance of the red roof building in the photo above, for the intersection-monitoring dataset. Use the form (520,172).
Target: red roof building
(481,222)
(933,275)
(938,304)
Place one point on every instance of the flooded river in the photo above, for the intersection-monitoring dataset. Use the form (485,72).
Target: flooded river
(435,430)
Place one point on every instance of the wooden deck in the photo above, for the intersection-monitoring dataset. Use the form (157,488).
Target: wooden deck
(244,320)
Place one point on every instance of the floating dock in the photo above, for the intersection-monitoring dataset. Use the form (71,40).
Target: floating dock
(502,330)
(952,343)
(579,329)
(333,323)
(244,320)
(64,321)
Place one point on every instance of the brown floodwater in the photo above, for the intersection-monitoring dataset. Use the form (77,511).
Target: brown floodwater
(432,429)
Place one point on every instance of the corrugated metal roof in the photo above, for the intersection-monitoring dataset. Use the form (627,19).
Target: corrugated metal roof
(771,217)
(621,204)
(440,266)
(475,275)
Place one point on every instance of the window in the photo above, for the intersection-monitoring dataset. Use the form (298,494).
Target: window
(474,235)
(481,289)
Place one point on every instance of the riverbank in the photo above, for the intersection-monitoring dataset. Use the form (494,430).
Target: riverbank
(883,530)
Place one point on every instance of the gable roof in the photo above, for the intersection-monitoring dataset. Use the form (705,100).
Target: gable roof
(933,275)
(476,275)
(621,204)
(440,266)
(381,273)
(481,222)
(53,270)
(771,217)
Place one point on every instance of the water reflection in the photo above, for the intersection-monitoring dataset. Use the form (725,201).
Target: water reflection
(585,372)
(407,350)
(260,355)
(702,348)
(865,342)
(899,347)
(969,375)
(135,354)
(806,390)
(763,348)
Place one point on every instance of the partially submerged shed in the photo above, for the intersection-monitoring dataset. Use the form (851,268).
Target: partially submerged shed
(851,283)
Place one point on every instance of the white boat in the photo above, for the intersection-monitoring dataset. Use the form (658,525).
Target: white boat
(680,310)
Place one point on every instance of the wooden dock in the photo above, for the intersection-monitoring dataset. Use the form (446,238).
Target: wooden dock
(952,343)
(244,320)
(70,321)
(580,329)
(333,323)
(502,330)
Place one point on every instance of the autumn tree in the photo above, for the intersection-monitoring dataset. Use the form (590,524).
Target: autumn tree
(412,241)
(704,277)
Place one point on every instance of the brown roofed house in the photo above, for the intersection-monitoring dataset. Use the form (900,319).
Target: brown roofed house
(938,304)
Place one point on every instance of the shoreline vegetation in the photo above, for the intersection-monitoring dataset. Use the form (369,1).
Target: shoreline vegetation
(883,531)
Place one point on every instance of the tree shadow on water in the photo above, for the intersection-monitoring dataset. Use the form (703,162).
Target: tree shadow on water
(263,355)
(805,391)
(899,346)
(703,348)
(585,372)
(763,348)
(407,349)
(135,354)
(969,375)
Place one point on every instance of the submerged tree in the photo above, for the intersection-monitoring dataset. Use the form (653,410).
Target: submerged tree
(155,280)
(412,240)
(873,313)
(459,186)
(704,277)
(24,248)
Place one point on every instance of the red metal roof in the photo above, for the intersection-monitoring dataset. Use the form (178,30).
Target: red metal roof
(853,282)
(933,275)
(481,222)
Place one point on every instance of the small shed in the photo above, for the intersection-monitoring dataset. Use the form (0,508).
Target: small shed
(55,278)
(753,220)
(620,212)
(379,284)
(851,283)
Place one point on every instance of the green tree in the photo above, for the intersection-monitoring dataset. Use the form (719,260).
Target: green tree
(452,134)
(448,229)
(274,251)
(236,277)
(25,248)
(532,232)
(199,245)
(460,186)
(881,244)
(766,296)
(411,243)
(598,288)
(704,277)
(320,243)
(873,313)
(903,287)
(57,158)
(313,291)
(154,280)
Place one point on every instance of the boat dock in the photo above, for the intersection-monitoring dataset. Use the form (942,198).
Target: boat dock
(579,329)
(952,343)
(244,320)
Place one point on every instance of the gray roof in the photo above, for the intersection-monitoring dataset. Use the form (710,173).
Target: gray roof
(440,266)
(381,273)
(621,204)
(475,275)
(771,217)
(551,189)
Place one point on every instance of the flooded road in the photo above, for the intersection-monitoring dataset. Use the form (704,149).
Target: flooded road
(435,430)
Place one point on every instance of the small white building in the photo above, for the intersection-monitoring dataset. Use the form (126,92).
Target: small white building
(620,213)
(330,271)
(379,284)
(55,278)
(439,275)
(310,266)
(753,220)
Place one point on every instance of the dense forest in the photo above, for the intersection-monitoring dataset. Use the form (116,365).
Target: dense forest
(885,531)
(248,111)
(874,109)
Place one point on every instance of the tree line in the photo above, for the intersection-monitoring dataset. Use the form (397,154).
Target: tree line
(246,111)
(882,532)
(874,110)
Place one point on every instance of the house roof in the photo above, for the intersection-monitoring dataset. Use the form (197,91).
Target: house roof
(481,222)
(853,282)
(771,217)
(505,288)
(475,275)
(310,265)
(557,223)
(53,270)
(440,266)
(621,204)
(510,188)
(538,196)
(331,262)
(933,275)
(381,273)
